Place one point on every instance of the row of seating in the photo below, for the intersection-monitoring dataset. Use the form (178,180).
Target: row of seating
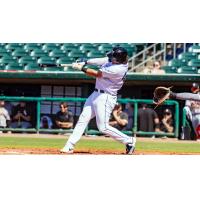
(186,63)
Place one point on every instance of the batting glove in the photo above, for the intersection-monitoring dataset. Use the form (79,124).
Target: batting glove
(78,65)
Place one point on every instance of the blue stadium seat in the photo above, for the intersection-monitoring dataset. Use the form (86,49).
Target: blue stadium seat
(27,59)
(46,60)
(38,53)
(64,60)
(56,53)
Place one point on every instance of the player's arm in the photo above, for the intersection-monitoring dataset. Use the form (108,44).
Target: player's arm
(97,61)
(90,72)
(65,124)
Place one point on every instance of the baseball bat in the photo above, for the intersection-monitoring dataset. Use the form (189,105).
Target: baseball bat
(56,65)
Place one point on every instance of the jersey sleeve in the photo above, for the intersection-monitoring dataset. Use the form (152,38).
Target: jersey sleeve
(97,61)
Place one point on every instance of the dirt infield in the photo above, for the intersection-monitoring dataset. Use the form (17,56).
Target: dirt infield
(49,151)
(89,151)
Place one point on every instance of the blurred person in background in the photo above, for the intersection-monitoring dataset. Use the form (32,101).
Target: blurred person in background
(148,120)
(21,116)
(64,118)
(167,122)
(118,119)
(4,116)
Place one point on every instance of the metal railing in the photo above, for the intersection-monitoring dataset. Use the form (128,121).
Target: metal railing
(158,49)
(135,102)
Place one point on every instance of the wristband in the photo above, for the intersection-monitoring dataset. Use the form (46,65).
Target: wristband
(84,69)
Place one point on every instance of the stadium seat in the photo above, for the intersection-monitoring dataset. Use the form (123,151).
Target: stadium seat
(87,48)
(13,66)
(194,49)
(169,69)
(194,62)
(177,63)
(50,46)
(76,54)
(56,53)
(64,60)
(38,53)
(53,69)
(33,66)
(187,70)
(187,56)
(32,46)
(69,47)
(27,59)
(105,47)
(13,46)
(46,60)
(8,59)
(19,53)
(95,54)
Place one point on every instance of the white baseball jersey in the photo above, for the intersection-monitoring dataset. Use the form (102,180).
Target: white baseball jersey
(113,75)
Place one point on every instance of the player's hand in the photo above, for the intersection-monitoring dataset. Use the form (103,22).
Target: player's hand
(78,65)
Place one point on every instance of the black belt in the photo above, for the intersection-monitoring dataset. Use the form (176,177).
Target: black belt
(101,91)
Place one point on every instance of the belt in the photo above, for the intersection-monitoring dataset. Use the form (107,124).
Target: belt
(98,90)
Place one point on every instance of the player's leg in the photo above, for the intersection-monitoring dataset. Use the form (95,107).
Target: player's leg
(185,96)
(196,125)
(103,107)
(86,115)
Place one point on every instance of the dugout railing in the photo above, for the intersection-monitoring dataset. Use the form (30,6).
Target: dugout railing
(134,130)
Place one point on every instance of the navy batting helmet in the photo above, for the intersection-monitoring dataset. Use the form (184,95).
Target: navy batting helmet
(119,53)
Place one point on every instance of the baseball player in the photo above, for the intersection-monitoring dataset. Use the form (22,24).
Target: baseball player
(163,93)
(109,79)
(193,109)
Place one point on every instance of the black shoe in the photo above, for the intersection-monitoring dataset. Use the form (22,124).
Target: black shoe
(130,149)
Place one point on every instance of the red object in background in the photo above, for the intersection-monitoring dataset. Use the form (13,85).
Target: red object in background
(198,132)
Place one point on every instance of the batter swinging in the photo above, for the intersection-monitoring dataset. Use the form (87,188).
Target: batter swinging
(109,79)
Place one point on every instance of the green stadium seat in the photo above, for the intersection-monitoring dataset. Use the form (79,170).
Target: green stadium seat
(76,54)
(38,53)
(32,46)
(169,69)
(46,60)
(19,53)
(7,59)
(194,49)
(69,47)
(187,56)
(95,54)
(13,46)
(26,60)
(50,46)
(177,63)
(56,53)
(33,66)
(105,47)
(64,60)
(187,70)
(194,62)
(13,66)
(87,48)
(53,69)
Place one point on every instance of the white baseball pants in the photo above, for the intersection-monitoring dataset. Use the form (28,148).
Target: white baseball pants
(101,106)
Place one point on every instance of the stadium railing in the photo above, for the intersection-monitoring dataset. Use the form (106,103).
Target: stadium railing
(134,130)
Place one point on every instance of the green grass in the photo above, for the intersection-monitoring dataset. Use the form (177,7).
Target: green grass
(98,144)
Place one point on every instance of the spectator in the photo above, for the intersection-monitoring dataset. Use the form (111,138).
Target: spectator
(169,55)
(130,112)
(119,119)
(157,68)
(64,118)
(4,116)
(46,122)
(148,120)
(21,116)
(167,123)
